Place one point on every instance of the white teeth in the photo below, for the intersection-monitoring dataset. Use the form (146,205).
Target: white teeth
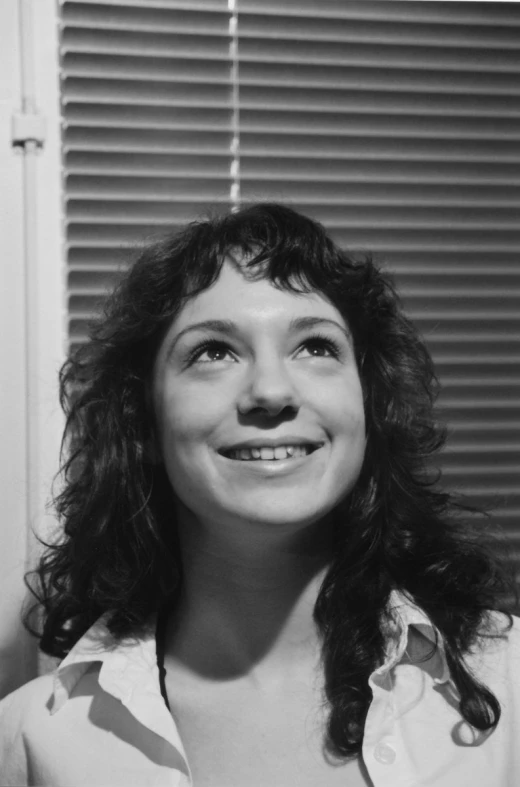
(269,453)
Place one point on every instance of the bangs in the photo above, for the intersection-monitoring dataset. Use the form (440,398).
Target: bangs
(266,241)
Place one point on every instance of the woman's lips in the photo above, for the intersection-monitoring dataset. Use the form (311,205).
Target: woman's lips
(269,453)
(272,466)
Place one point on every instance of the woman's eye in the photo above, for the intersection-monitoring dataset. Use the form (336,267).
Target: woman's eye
(211,353)
(319,348)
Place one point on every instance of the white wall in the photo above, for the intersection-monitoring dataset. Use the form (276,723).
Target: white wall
(32,327)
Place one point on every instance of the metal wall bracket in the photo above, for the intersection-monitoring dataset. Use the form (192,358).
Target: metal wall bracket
(27,127)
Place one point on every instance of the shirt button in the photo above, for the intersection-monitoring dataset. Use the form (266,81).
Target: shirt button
(384,753)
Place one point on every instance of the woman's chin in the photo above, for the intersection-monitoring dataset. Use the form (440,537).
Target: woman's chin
(278,515)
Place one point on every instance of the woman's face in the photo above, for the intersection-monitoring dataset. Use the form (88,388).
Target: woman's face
(258,404)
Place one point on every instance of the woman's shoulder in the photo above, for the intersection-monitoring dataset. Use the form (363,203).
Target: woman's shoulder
(27,706)
(29,695)
(33,697)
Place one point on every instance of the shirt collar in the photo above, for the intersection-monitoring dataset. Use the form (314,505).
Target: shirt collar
(129,672)
(404,621)
(129,669)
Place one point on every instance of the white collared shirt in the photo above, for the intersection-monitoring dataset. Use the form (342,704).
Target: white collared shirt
(101,718)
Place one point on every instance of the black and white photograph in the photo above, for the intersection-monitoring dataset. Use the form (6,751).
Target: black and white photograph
(260,388)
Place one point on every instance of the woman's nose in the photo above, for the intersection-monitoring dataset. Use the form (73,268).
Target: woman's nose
(268,388)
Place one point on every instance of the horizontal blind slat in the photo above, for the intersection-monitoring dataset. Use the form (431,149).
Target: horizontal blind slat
(115,91)
(467,14)
(371,100)
(381,79)
(376,57)
(97,7)
(80,21)
(459,220)
(146,164)
(183,140)
(296,121)
(358,194)
(109,47)
(212,66)
(370,33)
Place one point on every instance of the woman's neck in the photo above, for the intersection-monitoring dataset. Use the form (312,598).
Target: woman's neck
(246,609)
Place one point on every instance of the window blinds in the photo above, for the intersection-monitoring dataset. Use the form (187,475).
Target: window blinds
(147,109)
(396,124)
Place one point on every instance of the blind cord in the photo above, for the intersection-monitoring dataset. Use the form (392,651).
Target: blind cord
(234,195)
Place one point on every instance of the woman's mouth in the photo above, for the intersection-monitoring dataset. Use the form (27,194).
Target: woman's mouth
(270,453)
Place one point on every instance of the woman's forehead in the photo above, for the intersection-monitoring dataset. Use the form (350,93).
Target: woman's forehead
(233,293)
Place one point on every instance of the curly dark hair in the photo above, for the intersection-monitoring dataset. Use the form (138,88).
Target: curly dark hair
(397,529)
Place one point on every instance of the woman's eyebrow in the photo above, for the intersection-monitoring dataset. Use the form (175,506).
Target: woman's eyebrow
(222,326)
(300,323)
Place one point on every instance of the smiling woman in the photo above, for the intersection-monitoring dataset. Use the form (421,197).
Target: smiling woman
(263,382)
(259,580)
